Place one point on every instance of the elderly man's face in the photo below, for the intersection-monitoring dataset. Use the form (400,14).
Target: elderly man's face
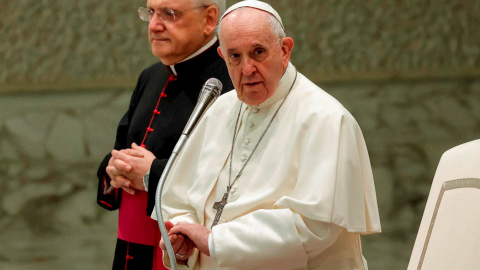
(173,41)
(255,60)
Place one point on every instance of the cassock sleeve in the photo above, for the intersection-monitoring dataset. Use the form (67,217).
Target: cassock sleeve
(156,170)
(271,239)
(109,201)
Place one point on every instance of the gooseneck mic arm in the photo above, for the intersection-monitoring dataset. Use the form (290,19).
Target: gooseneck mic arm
(210,91)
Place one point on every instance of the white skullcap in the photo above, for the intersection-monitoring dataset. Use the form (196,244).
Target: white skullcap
(255,4)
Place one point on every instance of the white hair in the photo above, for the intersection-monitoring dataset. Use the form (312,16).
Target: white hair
(275,26)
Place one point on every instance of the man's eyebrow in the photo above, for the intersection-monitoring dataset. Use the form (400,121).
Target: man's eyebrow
(253,46)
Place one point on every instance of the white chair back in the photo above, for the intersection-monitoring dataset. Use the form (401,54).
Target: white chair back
(449,234)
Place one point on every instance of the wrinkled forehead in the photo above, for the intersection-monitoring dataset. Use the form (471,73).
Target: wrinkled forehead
(244,21)
(177,4)
(246,29)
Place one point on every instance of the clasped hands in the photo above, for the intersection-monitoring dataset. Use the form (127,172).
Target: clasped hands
(184,237)
(127,167)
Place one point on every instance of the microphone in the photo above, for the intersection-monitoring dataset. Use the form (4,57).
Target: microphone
(209,93)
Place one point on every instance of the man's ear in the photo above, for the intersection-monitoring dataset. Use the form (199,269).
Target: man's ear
(287,47)
(211,18)
(219,50)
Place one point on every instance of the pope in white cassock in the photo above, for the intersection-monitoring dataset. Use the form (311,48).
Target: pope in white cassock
(276,175)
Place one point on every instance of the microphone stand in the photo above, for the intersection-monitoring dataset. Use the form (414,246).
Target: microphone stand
(158,201)
(210,91)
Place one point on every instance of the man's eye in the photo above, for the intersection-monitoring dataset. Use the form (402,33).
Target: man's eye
(234,58)
(259,54)
(168,13)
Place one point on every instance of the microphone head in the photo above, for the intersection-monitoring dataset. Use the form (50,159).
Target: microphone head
(214,86)
(210,91)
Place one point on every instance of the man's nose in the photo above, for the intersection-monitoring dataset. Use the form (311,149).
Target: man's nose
(156,24)
(248,67)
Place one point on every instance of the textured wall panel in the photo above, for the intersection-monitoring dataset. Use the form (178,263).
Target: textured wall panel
(378,39)
(50,44)
(61,44)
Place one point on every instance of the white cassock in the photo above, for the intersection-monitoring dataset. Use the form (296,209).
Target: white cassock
(304,197)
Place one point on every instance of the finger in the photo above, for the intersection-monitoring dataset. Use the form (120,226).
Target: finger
(184,248)
(124,154)
(121,165)
(121,181)
(110,161)
(190,249)
(162,245)
(178,243)
(137,147)
(114,154)
(180,228)
(111,171)
(114,184)
(110,175)
(116,181)
(171,238)
(168,225)
(135,151)
(130,191)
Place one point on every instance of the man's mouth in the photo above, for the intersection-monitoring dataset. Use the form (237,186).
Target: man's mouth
(159,39)
(251,83)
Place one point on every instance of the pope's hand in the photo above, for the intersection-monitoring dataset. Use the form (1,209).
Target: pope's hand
(196,233)
(182,245)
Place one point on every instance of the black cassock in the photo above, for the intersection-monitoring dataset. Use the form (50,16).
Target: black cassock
(159,110)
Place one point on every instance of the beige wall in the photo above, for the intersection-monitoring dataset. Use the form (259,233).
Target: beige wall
(408,70)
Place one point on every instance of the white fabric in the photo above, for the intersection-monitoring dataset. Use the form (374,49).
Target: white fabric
(327,232)
(311,174)
(211,246)
(255,4)
(457,163)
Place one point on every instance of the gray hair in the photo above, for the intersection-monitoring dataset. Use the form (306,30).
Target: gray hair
(275,26)
(221,5)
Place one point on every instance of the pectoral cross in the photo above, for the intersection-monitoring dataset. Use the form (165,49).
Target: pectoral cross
(219,207)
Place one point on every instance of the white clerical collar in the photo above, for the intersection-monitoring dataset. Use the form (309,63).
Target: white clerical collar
(201,50)
(283,87)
